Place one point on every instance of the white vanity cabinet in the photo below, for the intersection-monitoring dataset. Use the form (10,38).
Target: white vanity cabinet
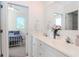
(41,49)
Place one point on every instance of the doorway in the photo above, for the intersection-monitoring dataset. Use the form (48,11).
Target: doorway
(17,30)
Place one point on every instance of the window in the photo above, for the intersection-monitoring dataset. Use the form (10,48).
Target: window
(20,22)
(58,20)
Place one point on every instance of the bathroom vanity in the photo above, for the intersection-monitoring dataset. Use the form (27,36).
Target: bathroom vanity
(48,47)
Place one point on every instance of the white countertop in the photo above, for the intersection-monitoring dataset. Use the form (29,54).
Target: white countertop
(60,44)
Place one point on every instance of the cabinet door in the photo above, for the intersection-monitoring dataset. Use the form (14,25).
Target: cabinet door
(41,51)
(34,47)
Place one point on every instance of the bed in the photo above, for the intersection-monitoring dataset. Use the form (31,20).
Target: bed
(15,38)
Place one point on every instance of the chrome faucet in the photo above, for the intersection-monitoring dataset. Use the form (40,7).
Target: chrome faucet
(55,33)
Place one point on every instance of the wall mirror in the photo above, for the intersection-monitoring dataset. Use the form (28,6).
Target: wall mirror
(67,21)
(71,20)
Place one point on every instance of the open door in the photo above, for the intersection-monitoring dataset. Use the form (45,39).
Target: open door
(17,30)
(14,18)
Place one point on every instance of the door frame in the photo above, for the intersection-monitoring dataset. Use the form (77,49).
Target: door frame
(5,50)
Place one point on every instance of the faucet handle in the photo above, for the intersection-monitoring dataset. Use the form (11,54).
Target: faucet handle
(68,40)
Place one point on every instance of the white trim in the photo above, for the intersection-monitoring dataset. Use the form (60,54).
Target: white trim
(5,44)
